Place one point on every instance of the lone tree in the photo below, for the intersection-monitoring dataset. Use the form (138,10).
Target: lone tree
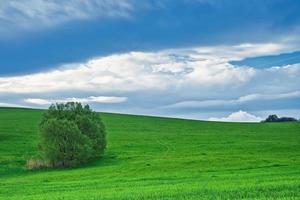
(71,134)
(272,118)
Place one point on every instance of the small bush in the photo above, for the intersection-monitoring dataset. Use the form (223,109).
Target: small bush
(70,135)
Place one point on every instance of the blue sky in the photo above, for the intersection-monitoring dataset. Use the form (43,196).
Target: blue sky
(204,59)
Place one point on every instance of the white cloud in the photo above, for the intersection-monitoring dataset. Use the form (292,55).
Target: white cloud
(38,101)
(254,97)
(10,105)
(238,101)
(198,68)
(126,72)
(34,14)
(240,116)
(91,99)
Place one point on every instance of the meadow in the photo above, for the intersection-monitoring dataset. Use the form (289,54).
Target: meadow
(158,158)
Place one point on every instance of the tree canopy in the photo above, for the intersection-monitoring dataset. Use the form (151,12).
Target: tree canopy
(274,118)
(71,134)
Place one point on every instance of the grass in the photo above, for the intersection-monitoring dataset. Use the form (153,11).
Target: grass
(158,158)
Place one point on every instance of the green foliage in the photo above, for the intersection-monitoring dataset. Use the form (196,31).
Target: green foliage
(158,158)
(71,135)
(274,118)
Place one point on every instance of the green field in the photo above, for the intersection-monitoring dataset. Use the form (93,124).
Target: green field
(158,158)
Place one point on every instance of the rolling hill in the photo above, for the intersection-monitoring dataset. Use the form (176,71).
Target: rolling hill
(158,158)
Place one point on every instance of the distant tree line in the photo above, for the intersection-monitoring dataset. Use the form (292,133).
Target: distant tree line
(275,118)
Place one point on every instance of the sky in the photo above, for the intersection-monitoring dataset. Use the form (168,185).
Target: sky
(221,60)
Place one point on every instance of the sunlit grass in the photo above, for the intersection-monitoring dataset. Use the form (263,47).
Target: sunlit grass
(158,158)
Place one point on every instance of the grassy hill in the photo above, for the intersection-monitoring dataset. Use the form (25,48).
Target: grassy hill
(158,158)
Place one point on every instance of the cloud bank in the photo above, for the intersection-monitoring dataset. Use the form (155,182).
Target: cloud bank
(172,69)
(240,116)
(169,83)
(91,99)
